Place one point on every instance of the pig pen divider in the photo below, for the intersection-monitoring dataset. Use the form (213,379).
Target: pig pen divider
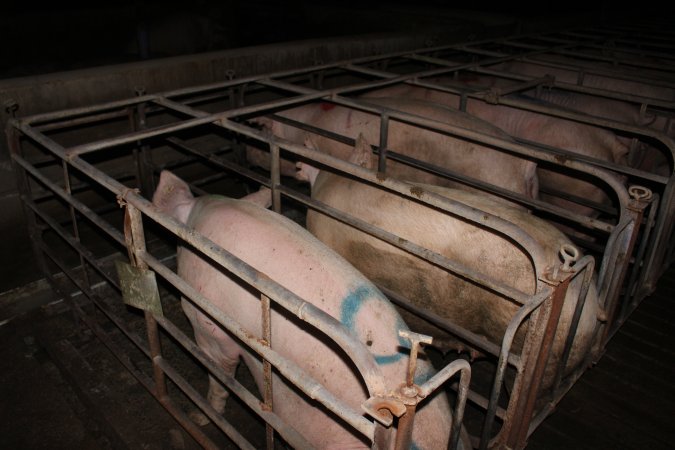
(135,242)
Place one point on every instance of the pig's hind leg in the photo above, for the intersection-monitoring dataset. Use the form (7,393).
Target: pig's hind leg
(225,353)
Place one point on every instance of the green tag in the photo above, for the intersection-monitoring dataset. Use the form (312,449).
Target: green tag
(139,288)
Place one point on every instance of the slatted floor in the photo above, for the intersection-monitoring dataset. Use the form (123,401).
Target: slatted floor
(60,390)
(627,401)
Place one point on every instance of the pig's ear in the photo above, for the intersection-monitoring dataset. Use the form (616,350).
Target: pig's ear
(362,155)
(173,196)
(262,198)
(306,172)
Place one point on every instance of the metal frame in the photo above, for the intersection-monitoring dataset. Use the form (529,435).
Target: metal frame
(543,309)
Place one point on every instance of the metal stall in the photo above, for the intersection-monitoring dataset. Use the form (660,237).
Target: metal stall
(488,71)
(71,179)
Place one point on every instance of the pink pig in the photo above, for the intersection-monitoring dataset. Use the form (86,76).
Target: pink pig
(291,256)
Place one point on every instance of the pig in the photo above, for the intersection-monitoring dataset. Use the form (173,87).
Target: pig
(469,158)
(645,155)
(430,287)
(587,140)
(287,253)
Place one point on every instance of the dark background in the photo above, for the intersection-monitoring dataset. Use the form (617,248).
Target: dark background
(42,38)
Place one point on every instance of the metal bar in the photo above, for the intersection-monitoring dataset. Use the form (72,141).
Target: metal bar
(529,389)
(135,241)
(507,341)
(462,392)
(384,138)
(585,265)
(268,394)
(638,275)
(275,175)
(221,162)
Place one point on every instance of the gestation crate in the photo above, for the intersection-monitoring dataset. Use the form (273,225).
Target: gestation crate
(76,168)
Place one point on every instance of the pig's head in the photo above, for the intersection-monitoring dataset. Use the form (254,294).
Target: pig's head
(361,156)
(259,156)
(173,196)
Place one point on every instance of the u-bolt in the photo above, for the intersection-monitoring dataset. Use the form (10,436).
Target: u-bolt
(570,255)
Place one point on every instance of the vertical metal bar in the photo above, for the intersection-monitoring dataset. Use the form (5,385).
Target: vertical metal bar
(571,332)
(634,292)
(275,177)
(628,236)
(73,218)
(267,366)
(405,428)
(663,232)
(23,185)
(143,152)
(384,137)
(135,238)
(534,370)
(462,102)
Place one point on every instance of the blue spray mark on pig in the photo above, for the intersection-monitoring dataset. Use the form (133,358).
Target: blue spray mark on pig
(351,305)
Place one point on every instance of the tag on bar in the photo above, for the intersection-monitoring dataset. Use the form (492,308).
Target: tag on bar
(139,288)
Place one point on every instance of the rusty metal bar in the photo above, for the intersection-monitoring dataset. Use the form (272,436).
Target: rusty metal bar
(384,138)
(268,395)
(633,293)
(585,265)
(73,218)
(135,241)
(517,430)
(275,177)
(441,377)
(507,341)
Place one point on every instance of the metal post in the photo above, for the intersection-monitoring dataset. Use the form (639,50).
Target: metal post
(275,177)
(142,152)
(535,358)
(23,186)
(384,137)
(135,241)
(267,366)
(73,218)
(640,199)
